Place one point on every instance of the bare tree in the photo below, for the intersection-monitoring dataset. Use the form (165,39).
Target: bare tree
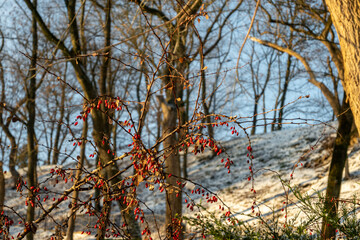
(92,91)
(30,126)
(323,32)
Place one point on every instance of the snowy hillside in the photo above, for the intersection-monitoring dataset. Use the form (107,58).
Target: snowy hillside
(275,155)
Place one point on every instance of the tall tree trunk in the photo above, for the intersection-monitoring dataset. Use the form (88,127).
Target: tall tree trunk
(80,165)
(336,170)
(346,18)
(31,137)
(172,164)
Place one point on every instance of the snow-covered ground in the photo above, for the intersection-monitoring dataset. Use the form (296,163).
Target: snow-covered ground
(303,152)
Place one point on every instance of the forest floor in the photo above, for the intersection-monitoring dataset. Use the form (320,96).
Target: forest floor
(303,152)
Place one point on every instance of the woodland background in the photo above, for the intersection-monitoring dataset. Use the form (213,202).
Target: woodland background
(125,91)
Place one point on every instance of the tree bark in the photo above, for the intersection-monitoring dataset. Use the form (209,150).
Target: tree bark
(346,19)
(339,157)
(172,164)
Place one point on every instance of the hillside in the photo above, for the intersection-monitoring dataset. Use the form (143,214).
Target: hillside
(276,155)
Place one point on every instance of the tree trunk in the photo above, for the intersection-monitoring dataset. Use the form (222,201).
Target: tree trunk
(185,149)
(172,164)
(74,208)
(2,187)
(347,175)
(12,156)
(253,129)
(2,197)
(346,18)
(56,150)
(284,91)
(206,106)
(336,170)
(31,137)
(5,127)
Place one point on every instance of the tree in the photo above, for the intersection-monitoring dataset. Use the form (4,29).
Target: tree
(259,85)
(142,71)
(30,126)
(75,199)
(101,126)
(301,25)
(346,21)
(5,124)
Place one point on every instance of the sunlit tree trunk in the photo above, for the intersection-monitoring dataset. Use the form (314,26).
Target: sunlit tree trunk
(346,18)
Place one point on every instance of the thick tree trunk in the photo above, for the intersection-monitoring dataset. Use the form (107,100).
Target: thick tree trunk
(346,18)
(336,170)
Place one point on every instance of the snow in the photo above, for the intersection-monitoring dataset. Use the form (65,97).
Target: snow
(276,155)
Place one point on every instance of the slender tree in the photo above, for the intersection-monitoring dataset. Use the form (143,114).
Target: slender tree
(30,126)
(75,197)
